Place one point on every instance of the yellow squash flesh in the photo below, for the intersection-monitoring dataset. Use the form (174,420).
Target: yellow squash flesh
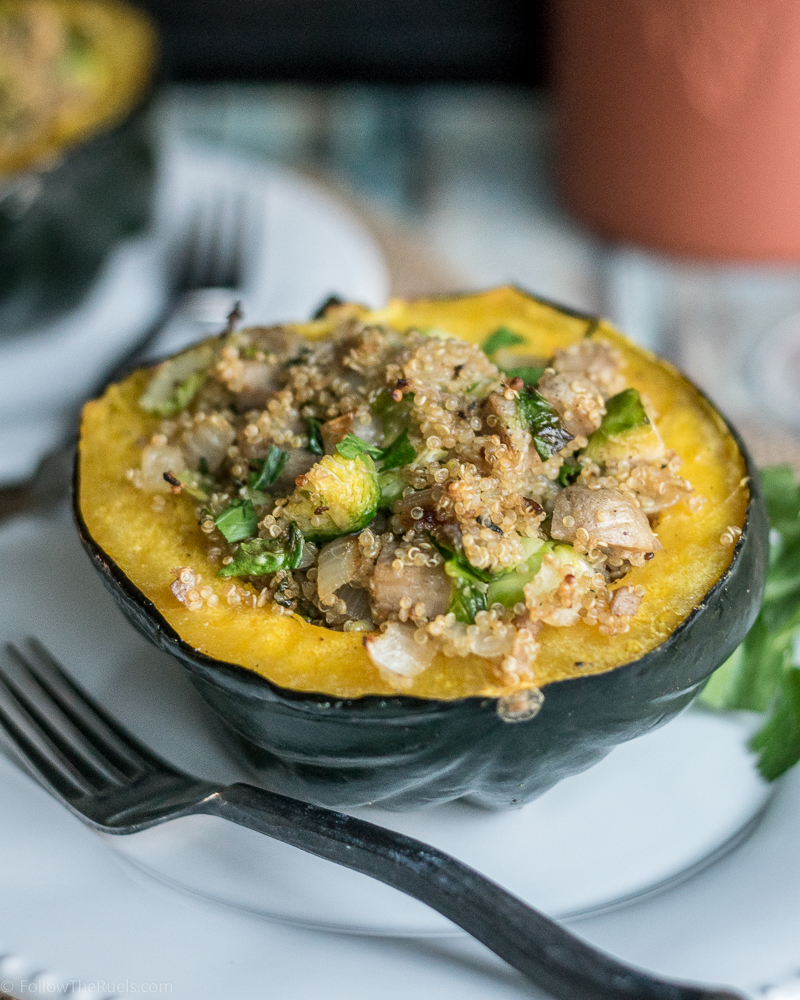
(147,543)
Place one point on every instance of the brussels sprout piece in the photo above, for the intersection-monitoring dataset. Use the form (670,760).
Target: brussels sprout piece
(509,589)
(625,430)
(335,497)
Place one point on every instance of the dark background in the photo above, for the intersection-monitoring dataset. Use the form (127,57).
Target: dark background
(393,41)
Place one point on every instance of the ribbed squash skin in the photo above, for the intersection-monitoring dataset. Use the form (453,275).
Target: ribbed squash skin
(52,249)
(437,744)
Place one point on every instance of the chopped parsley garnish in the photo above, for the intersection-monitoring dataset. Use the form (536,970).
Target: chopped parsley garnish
(265,556)
(469,594)
(272,467)
(238,522)
(529,374)
(315,444)
(400,452)
(762,674)
(568,473)
(549,434)
(502,337)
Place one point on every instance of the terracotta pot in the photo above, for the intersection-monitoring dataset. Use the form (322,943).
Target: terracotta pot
(679,122)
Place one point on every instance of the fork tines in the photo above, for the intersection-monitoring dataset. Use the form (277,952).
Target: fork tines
(71,744)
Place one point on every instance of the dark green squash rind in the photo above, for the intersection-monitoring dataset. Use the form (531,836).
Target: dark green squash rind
(407,752)
(59,225)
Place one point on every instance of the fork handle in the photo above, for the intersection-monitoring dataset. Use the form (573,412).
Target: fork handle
(552,957)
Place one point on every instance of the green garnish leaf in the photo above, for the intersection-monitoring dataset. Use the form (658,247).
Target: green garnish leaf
(315,444)
(400,452)
(469,594)
(354,447)
(273,466)
(502,337)
(568,473)
(624,412)
(265,556)
(529,374)
(761,675)
(549,434)
(465,566)
(202,467)
(778,742)
(391,485)
(238,521)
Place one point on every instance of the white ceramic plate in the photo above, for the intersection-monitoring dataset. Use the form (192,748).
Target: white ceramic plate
(303,246)
(654,811)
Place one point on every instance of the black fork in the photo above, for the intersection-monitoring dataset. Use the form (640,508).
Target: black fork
(115,783)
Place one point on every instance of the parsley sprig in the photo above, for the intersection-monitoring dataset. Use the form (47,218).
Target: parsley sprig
(762,674)
(400,452)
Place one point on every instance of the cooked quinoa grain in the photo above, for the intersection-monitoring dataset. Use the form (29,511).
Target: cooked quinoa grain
(398,483)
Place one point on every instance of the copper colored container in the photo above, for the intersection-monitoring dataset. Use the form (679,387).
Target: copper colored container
(679,123)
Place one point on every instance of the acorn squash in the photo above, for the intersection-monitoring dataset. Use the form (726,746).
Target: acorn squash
(308,707)
(76,159)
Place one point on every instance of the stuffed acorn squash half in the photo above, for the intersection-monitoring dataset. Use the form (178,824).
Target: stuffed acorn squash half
(76,163)
(452,547)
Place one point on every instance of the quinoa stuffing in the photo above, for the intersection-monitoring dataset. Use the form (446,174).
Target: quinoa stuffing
(436,496)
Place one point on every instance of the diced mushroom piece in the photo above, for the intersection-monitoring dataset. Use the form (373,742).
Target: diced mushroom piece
(397,654)
(336,430)
(411,503)
(339,562)
(603,519)
(503,418)
(625,602)
(596,359)
(577,400)
(427,585)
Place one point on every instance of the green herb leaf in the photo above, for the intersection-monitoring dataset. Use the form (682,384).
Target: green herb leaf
(237,522)
(465,566)
(391,485)
(265,556)
(761,675)
(399,453)
(315,444)
(354,447)
(568,473)
(469,594)
(273,466)
(778,742)
(624,412)
(202,467)
(530,375)
(502,337)
(549,434)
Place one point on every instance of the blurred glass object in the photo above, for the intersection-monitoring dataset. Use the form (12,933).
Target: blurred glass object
(678,132)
